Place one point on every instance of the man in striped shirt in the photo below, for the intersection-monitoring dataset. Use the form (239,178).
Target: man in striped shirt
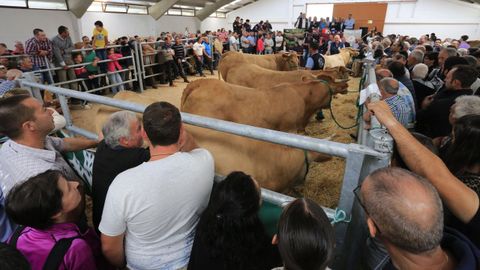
(400,109)
(179,49)
(40,50)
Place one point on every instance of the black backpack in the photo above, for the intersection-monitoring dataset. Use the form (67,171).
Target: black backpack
(55,257)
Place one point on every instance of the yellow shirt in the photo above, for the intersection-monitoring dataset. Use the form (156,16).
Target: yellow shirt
(100,37)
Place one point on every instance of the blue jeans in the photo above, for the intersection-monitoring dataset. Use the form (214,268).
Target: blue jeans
(102,54)
(114,79)
(45,74)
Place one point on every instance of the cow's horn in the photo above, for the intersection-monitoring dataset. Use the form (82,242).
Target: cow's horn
(341,80)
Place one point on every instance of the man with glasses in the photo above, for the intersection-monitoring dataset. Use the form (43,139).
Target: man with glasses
(405,213)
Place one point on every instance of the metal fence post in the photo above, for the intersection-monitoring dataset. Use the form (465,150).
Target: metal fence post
(50,75)
(350,235)
(139,65)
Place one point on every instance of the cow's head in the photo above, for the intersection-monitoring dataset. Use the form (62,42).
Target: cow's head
(341,72)
(289,61)
(353,52)
(336,85)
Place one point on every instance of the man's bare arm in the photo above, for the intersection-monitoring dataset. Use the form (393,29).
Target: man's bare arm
(459,198)
(77,144)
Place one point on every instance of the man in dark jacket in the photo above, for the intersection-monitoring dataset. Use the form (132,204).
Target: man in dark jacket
(120,150)
(432,119)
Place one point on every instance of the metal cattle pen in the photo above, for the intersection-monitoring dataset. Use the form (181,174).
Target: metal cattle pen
(360,161)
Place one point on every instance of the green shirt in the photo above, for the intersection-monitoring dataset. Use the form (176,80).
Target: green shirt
(89,58)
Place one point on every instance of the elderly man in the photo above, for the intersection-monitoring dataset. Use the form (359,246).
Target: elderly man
(402,89)
(462,201)
(62,52)
(464,105)
(400,73)
(405,213)
(30,151)
(432,119)
(40,50)
(422,87)
(120,150)
(151,210)
(437,75)
(415,57)
(389,89)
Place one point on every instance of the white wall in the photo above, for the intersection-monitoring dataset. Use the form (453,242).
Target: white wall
(18,24)
(213,24)
(443,17)
(119,24)
(277,12)
(176,24)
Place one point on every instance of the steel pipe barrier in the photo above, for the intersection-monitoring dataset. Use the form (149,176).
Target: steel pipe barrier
(360,161)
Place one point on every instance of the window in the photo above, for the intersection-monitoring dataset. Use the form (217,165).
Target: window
(48,4)
(13,3)
(218,15)
(132,9)
(175,11)
(188,12)
(95,7)
(115,8)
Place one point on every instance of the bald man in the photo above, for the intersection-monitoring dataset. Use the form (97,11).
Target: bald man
(402,111)
(405,213)
(402,89)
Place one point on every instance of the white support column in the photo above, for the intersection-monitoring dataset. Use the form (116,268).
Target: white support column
(78,8)
(159,9)
(209,9)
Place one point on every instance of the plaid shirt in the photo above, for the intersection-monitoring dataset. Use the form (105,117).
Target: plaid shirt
(400,109)
(32,46)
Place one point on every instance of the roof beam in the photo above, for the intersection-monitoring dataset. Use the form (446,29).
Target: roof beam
(159,9)
(78,8)
(209,9)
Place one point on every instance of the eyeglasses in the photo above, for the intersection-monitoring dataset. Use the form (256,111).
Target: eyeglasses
(356,192)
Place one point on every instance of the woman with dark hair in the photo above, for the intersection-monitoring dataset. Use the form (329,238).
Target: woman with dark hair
(463,155)
(230,234)
(48,208)
(305,236)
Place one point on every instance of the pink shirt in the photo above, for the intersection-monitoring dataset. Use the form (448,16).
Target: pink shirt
(35,245)
(260,47)
(114,65)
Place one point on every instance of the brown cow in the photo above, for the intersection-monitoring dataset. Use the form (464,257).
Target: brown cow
(259,77)
(285,107)
(283,61)
(276,167)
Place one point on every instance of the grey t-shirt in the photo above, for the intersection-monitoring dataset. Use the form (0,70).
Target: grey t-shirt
(157,205)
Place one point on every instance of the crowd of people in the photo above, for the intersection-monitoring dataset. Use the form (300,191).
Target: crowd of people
(160,208)
(98,63)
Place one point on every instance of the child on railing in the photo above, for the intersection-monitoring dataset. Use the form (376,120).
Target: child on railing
(83,72)
(112,67)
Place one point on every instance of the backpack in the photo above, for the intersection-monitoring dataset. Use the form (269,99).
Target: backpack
(55,257)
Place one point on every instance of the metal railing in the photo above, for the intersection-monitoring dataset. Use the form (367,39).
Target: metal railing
(360,161)
(49,69)
(376,136)
(153,62)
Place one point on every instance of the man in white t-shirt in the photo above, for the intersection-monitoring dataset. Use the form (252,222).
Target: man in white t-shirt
(198,52)
(233,40)
(155,206)
(278,41)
